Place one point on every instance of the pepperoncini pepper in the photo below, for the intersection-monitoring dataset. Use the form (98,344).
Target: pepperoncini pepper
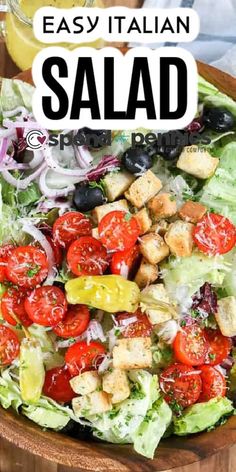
(111,293)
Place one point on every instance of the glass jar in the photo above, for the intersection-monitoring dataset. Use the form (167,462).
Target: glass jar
(18,27)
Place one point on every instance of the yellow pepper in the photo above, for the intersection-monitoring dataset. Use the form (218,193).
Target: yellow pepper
(111,293)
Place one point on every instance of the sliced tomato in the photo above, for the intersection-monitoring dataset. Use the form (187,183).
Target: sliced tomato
(27,266)
(214,234)
(57,385)
(46,306)
(123,262)
(141,327)
(83,356)
(118,230)
(56,250)
(87,256)
(9,345)
(71,226)
(75,322)
(3,274)
(213,383)
(190,345)
(219,347)
(13,308)
(181,385)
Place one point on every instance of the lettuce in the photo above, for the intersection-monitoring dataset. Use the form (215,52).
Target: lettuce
(219,193)
(15,93)
(192,272)
(46,412)
(211,96)
(202,416)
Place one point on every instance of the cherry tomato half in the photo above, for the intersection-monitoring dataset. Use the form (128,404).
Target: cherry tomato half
(13,308)
(214,234)
(190,345)
(57,385)
(87,256)
(213,383)
(69,227)
(57,251)
(27,266)
(82,356)
(9,345)
(118,230)
(140,328)
(219,347)
(46,306)
(123,262)
(75,322)
(180,384)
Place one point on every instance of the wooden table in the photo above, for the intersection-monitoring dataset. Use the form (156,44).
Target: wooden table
(13,459)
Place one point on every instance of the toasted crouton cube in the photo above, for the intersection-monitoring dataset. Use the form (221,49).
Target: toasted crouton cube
(226,315)
(144,188)
(116,383)
(92,404)
(116,183)
(85,383)
(144,220)
(157,293)
(162,206)
(197,162)
(146,274)
(192,211)
(95,233)
(132,353)
(100,211)
(179,238)
(160,228)
(153,248)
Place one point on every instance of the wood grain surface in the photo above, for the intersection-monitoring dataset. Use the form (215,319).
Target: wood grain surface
(14,459)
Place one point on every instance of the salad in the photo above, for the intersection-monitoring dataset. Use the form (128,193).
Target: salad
(118,279)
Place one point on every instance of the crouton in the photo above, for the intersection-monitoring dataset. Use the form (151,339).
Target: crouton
(162,206)
(153,248)
(144,220)
(146,274)
(179,238)
(158,293)
(100,211)
(132,353)
(197,162)
(92,404)
(192,211)
(144,188)
(226,315)
(85,383)
(116,183)
(95,233)
(116,383)
(160,228)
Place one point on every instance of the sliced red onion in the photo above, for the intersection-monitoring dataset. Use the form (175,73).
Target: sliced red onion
(107,164)
(95,331)
(45,205)
(15,111)
(22,184)
(8,133)
(38,158)
(83,156)
(42,240)
(50,192)
(105,364)
(60,170)
(21,124)
(4,148)
(13,166)
(228,363)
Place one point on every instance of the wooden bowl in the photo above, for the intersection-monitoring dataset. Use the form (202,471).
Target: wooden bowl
(104,457)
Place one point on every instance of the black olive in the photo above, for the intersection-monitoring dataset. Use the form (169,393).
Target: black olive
(169,145)
(218,119)
(136,160)
(170,153)
(78,431)
(86,198)
(93,138)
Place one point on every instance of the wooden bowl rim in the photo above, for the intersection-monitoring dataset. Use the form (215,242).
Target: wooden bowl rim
(95,456)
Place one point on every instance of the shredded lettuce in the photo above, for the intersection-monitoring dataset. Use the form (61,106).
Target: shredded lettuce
(46,412)
(201,416)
